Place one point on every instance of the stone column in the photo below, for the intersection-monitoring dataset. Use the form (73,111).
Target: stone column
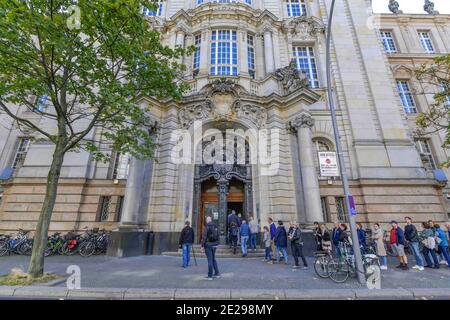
(301,125)
(204,53)
(179,42)
(222,186)
(268,51)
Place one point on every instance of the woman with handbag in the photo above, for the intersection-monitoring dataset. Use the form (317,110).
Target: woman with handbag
(378,237)
(326,238)
(429,248)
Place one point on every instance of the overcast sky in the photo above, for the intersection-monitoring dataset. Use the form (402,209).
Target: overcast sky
(412,6)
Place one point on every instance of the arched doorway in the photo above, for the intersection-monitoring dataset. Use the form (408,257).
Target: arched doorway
(220,188)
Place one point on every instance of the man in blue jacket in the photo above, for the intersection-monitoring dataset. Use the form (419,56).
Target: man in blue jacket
(245,234)
(335,238)
(273,230)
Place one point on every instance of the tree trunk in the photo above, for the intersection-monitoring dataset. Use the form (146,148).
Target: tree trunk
(36,268)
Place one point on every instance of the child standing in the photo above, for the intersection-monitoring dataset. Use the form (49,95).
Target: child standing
(267,244)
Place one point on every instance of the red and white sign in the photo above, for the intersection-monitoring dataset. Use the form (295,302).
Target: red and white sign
(328,164)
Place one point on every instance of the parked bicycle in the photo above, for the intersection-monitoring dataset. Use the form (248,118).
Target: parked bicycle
(342,267)
(19,244)
(95,242)
(55,245)
(321,262)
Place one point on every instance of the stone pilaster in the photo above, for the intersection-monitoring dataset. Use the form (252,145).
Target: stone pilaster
(301,125)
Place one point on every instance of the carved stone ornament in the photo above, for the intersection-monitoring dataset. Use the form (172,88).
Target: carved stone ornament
(291,78)
(223,85)
(189,114)
(303,120)
(394,7)
(254,113)
(305,28)
(429,7)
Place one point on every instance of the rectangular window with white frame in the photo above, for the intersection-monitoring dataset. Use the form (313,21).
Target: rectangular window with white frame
(121,166)
(444,88)
(426,154)
(251,55)
(304,57)
(406,96)
(41,103)
(388,41)
(152,12)
(426,42)
(224,53)
(21,153)
(196,60)
(296,8)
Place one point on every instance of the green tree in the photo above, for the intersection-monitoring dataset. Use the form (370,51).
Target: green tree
(436,118)
(92,61)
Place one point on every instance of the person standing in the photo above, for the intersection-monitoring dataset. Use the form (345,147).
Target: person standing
(397,239)
(317,237)
(335,238)
(297,246)
(273,230)
(210,241)
(378,237)
(267,244)
(232,218)
(412,239)
(254,230)
(326,238)
(281,242)
(233,234)
(186,241)
(429,246)
(442,242)
(245,234)
(361,237)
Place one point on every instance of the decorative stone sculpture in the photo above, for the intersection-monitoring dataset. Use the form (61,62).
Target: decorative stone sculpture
(291,78)
(394,7)
(189,114)
(303,120)
(254,113)
(223,85)
(429,7)
(305,28)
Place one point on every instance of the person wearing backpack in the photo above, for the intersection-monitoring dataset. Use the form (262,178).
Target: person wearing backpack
(210,241)
(412,239)
(297,246)
(234,232)
(429,246)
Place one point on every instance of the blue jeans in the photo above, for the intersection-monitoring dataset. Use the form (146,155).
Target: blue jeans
(426,253)
(244,240)
(415,249)
(186,254)
(282,249)
(210,252)
(268,253)
(253,240)
(383,260)
(444,252)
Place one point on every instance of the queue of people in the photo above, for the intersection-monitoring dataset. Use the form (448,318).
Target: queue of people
(429,248)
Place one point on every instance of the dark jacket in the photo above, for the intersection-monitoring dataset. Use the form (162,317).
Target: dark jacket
(400,236)
(280,239)
(233,218)
(411,233)
(187,235)
(361,237)
(245,230)
(208,227)
(296,238)
(343,237)
(273,230)
(326,236)
(336,235)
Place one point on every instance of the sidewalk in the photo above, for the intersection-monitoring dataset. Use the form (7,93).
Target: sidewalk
(221,294)
(162,277)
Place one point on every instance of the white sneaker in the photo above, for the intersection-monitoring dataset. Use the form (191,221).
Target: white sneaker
(421,268)
(443,262)
(416,267)
(383,268)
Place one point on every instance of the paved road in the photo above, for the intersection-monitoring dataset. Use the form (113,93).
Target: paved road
(166,272)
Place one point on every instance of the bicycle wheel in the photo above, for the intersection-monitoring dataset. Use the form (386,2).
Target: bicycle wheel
(87,249)
(320,266)
(4,248)
(338,270)
(25,248)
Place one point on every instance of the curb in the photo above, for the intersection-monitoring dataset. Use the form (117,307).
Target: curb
(222,294)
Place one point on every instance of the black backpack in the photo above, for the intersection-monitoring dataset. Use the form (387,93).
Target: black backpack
(213,234)
(234,230)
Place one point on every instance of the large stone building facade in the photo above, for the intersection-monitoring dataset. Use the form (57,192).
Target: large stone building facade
(259,65)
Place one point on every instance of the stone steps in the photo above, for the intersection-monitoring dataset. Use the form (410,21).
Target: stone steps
(223,251)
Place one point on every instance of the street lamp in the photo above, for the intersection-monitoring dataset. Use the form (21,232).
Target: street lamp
(348,197)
